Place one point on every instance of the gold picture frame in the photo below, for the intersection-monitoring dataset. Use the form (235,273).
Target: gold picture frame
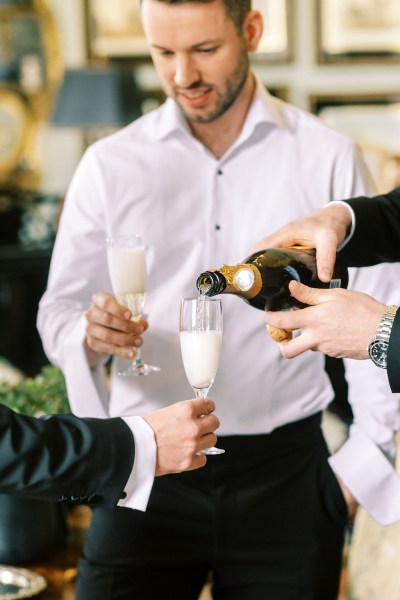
(357,31)
(114,30)
(18,152)
(373,121)
(15,125)
(30,74)
(277,43)
(30,52)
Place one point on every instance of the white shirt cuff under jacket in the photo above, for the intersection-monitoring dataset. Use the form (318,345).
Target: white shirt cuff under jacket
(353,221)
(139,485)
(374,483)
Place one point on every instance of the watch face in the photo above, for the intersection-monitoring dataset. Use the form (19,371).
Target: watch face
(378,353)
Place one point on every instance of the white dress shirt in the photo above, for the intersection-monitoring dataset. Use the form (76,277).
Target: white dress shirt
(196,212)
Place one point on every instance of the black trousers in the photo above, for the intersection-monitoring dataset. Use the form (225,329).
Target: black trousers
(266,519)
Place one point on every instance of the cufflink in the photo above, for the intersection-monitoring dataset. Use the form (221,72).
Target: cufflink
(123,496)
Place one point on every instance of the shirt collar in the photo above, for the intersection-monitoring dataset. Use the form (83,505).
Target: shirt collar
(264,108)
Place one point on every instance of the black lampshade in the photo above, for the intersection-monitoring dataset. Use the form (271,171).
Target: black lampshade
(97,98)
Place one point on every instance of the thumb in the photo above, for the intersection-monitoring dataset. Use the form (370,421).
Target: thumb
(305,294)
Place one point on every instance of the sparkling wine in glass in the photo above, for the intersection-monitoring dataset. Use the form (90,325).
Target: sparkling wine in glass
(201,341)
(127,269)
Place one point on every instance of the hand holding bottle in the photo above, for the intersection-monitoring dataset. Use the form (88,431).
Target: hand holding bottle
(330,323)
(263,280)
(324,229)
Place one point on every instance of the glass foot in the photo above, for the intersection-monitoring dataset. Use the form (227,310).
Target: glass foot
(212,451)
(139,370)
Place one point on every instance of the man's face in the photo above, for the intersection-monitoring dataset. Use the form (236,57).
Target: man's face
(200,57)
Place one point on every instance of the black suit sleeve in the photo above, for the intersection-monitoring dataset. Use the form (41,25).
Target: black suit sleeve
(64,458)
(377,234)
(377,239)
(393,367)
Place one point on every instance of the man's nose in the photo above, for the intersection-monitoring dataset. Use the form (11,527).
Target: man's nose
(185,72)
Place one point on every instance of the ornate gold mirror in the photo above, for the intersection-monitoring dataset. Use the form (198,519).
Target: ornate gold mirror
(30,74)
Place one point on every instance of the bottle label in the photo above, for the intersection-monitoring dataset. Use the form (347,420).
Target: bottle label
(335,283)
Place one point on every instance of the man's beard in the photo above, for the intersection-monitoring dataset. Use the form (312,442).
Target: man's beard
(233,86)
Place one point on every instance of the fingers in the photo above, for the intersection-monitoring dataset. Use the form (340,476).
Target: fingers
(107,303)
(207,425)
(106,340)
(182,430)
(203,406)
(326,246)
(296,346)
(288,320)
(108,347)
(207,441)
(305,294)
(109,328)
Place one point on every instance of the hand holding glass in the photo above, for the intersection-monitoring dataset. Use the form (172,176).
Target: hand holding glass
(127,269)
(201,341)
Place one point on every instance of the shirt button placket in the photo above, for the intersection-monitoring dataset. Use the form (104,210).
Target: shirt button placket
(217,227)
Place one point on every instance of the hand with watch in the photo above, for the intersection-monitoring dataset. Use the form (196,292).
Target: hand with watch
(340,323)
(378,347)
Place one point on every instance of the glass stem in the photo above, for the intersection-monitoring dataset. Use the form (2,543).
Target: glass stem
(201,393)
(138,358)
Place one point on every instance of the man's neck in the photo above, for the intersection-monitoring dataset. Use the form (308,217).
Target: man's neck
(219,135)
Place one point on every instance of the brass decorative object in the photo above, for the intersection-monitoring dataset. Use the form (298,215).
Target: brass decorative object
(31,73)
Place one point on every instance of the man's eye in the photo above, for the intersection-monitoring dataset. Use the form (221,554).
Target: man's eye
(207,50)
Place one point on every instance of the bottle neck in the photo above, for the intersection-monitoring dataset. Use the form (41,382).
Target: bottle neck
(211,283)
(242,279)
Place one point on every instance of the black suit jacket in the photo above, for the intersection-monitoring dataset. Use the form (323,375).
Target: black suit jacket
(64,458)
(377,239)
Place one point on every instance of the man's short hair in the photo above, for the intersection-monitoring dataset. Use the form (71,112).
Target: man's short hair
(235,9)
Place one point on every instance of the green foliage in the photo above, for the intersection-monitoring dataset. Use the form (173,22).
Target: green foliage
(46,393)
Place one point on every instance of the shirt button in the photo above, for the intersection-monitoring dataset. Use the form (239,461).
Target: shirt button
(219,172)
(217,227)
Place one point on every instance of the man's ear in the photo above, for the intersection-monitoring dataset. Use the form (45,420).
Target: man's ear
(253,28)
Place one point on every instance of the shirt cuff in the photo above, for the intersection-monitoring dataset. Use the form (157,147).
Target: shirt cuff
(372,480)
(353,221)
(86,387)
(140,482)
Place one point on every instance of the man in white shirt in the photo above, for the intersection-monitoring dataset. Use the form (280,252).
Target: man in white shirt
(217,167)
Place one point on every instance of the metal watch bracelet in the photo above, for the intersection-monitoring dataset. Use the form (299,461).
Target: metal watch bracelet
(386,324)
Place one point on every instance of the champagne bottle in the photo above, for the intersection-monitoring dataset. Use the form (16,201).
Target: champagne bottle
(263,278)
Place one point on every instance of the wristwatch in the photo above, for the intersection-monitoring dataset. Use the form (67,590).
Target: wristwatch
(378,347)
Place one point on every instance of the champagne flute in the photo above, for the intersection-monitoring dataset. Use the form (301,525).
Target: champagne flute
(201,341)
(127,269)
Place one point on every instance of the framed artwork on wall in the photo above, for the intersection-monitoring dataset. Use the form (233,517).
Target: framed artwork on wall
(373,121)
(30,73)
(358,30)
(276,44)
(114,29)
(280,91)
(20,37)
